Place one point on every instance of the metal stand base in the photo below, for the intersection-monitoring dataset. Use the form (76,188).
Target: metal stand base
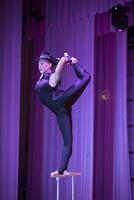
(70,174)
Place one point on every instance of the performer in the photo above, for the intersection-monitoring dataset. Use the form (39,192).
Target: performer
(58,101)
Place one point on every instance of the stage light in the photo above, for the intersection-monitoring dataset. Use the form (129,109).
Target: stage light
(119,17)
(105,95)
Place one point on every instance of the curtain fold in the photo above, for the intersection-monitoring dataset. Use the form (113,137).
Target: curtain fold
(111,159)
(36,151)
(104,109)
(121,150)
(10,70)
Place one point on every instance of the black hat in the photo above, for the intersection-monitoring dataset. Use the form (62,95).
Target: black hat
(48,56)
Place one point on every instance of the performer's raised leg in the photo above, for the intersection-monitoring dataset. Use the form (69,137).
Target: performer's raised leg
(73,93)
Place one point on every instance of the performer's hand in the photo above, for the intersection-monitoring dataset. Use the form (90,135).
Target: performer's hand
(74,60)
(64,60)
(70,60)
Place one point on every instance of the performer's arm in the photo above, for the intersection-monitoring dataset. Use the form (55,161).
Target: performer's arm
(56,76)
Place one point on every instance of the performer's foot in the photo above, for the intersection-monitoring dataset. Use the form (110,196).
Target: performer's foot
(56,174)
(66,173)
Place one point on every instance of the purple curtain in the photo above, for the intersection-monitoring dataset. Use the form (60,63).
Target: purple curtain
(121,156)
(65,11)
(99,116)
(95,135)
(104,108)
(10,69)
(35,33)
(111,164)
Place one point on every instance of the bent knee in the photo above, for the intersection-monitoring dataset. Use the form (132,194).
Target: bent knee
(87,77)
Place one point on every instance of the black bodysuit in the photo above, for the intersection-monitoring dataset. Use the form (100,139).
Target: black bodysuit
(60,103)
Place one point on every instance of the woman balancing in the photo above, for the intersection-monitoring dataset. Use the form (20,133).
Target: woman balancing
(58,101)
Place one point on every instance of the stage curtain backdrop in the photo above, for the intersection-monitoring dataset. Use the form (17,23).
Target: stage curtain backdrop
(10,70)
(111,159)
(72,27)
(80,36)
(69,27)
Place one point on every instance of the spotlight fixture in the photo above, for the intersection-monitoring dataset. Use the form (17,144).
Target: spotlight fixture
(119,17)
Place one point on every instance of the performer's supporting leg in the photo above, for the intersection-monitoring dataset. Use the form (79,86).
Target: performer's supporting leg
(65,126)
